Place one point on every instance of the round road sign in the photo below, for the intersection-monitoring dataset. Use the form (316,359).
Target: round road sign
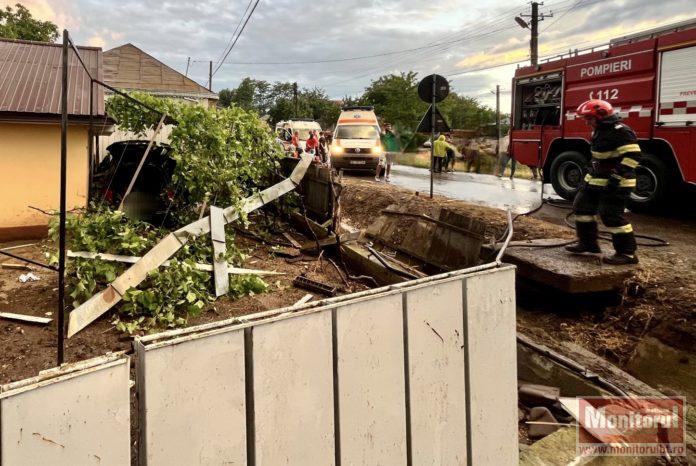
(425,88)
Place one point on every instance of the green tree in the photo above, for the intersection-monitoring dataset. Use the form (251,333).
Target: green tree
(20,24)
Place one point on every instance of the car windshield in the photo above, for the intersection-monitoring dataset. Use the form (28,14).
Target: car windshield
(304,134)
(357,132)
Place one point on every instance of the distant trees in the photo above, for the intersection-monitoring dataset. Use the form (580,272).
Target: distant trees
(18,23)
(394,96)
(277,101)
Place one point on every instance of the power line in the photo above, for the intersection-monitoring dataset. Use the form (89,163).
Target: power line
(251,13)
(239,23)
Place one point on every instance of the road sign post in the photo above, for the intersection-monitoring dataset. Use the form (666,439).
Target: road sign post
(433,89)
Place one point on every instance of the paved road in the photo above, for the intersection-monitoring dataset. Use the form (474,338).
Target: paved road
(501,193)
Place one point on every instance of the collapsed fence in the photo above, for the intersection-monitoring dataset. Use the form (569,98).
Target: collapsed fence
(415,373)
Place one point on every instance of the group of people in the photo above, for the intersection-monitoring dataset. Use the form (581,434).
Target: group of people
(317,144)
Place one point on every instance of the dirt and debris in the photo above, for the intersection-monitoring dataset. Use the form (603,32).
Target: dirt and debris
(30,348)
(657,301)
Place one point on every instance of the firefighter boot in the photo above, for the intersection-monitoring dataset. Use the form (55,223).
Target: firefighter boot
(587,239)
(625,247)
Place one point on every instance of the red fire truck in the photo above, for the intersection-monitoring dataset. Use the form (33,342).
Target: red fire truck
(649,78)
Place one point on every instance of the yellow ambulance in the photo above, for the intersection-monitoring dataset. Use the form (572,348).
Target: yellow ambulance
(356,141)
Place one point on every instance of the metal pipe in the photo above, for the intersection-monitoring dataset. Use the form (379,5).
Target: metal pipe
(499,257)
(61,230)
(79,58)
(132,99)
(432,136)
(90,140)
(401,273)
(30,261)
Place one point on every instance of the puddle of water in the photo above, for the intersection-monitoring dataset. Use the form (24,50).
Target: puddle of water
(501,193)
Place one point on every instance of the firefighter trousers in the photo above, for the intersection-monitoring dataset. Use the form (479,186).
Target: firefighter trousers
(609,204)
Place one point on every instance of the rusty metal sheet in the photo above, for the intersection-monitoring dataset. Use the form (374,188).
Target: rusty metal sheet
(436,374)
(68,416)
(192,401)
(217,234)
(371,384)
(490,325)
(293,391)
(30,75)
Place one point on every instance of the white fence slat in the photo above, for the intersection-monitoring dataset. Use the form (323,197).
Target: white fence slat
(77,419)
(371,382)
(293,391)
(436,374)
(490,310)
(193,408)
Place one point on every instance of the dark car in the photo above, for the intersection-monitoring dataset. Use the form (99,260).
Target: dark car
(148,199)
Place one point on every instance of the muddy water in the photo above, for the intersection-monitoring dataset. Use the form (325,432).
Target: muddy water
(500,193)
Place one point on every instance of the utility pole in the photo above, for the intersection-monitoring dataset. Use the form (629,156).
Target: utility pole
(294,98)
(497,118)
(210,76)
(188,64)
(533,26)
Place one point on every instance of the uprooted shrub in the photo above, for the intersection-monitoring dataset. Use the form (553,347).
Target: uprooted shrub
(222,154)
(169,295)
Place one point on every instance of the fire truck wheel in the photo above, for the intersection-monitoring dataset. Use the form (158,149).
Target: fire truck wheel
(567,172)
(652,184)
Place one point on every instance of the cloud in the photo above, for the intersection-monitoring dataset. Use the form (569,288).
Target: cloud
(459,35)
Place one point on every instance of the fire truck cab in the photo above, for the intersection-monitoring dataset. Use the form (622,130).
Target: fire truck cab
(648,77)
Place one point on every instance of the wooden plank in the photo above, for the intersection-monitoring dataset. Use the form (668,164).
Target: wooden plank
(293,391)
(217,235)
(436,374)
(490,319)
(371,384)
(292,240)
(98,304)
(25,318)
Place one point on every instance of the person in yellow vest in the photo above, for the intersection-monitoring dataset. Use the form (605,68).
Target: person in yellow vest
(440,152)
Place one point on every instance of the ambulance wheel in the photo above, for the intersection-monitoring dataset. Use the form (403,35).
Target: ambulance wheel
(652,184)
(567,173)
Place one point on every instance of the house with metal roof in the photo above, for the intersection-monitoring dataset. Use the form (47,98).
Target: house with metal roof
(30,98)
(128,68)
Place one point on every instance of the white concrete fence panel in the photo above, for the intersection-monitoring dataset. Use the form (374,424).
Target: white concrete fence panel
(78,414)
(420,373)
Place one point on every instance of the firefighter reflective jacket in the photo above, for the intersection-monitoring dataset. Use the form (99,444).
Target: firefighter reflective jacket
(615,151)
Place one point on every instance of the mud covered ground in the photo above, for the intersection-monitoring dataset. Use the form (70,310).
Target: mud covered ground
(26,349)
(660,300)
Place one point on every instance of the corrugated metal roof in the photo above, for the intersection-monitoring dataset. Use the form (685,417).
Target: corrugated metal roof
(30,78)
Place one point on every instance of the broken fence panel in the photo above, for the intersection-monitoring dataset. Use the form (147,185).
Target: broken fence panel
(217,235)
(133,259)
(425,371)
(101,302)
(72,415)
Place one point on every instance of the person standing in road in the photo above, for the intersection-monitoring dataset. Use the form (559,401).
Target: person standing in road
(295,143)
(474,155)
(451,154)
(608,185)
(390,146)
(440,152)
(504,157)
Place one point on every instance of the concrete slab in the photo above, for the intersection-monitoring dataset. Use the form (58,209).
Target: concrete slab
(566,272)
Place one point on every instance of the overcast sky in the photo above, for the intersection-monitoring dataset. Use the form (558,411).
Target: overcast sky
(450,36)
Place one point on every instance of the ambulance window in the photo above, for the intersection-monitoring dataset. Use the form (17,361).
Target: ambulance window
(538,102)
(357,132)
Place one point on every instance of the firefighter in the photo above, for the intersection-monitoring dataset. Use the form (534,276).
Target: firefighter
(608,184)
